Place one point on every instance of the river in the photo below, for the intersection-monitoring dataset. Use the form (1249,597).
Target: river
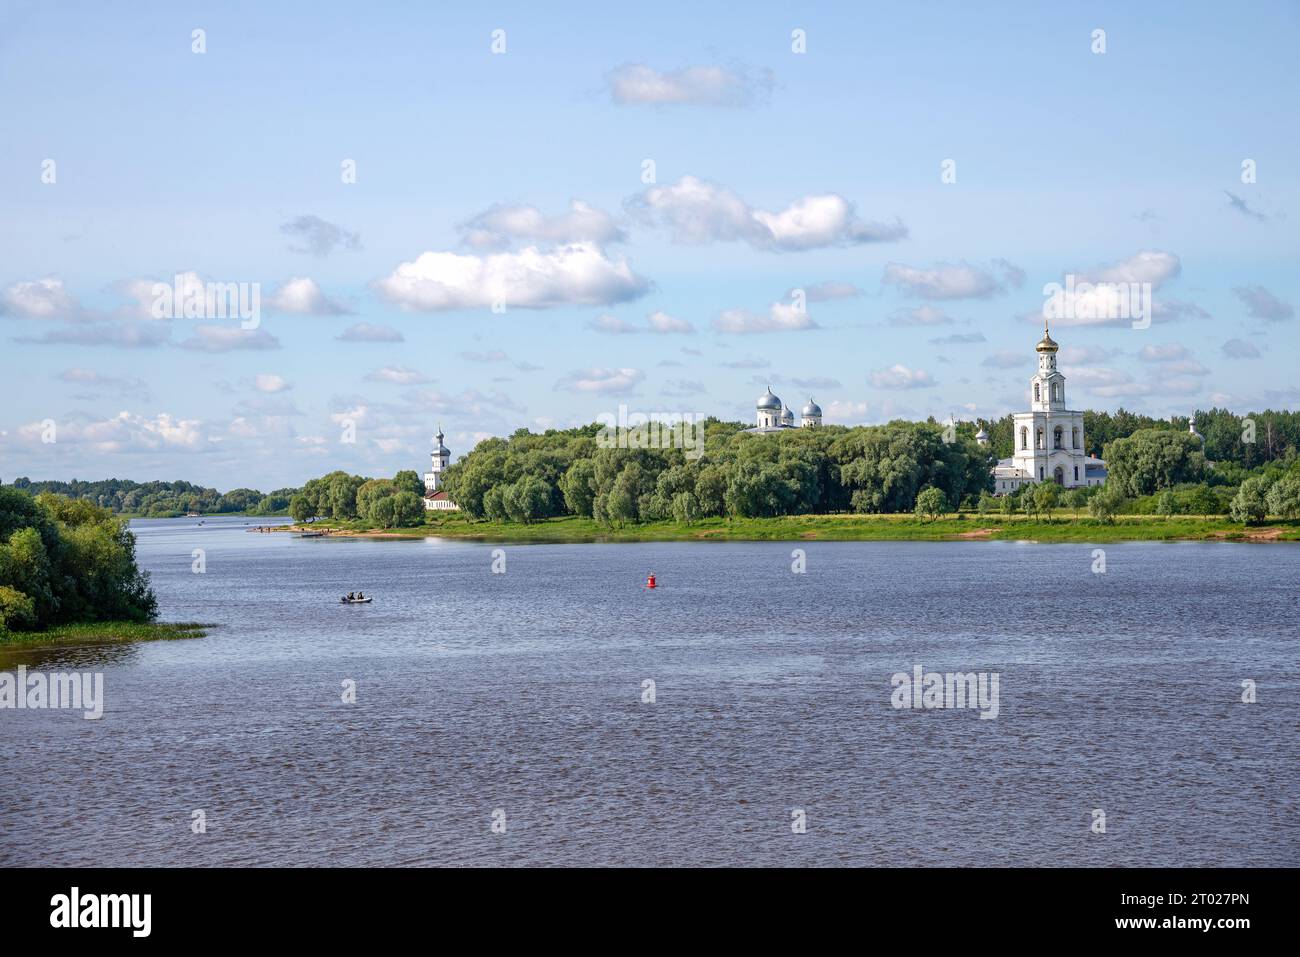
(503,717)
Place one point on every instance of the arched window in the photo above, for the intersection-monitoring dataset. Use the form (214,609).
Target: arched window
(1076,437)
(1024,437)
(1040,439)
(1035,391)
(1056,438)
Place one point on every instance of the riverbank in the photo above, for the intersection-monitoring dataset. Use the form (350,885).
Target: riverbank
(1064,527)
(102,633)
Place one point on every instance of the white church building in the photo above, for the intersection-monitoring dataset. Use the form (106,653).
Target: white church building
(435,499)
(1049,441)
(773,416)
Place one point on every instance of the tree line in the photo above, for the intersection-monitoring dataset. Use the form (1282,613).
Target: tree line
(162,499)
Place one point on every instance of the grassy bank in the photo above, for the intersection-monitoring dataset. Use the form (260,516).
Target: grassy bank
(102,633)
(1064,527)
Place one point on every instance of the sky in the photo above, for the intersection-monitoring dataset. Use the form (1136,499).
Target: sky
(493,217)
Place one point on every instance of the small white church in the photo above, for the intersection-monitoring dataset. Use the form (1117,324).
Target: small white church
(435,498)
(773,416)
(1048,439)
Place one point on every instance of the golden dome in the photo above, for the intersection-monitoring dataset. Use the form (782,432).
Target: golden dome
(1047,343)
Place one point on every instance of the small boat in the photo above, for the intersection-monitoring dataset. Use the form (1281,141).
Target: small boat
(312,535)
(355,601)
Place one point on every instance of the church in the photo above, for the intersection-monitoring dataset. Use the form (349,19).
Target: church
(773,416)
(435,499)
(1048,439)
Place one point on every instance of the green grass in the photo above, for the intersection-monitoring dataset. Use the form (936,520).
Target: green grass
(103,633)
(1065,527)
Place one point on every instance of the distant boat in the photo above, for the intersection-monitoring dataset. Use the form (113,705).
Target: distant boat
(191,514)
(355,601)
(312,535)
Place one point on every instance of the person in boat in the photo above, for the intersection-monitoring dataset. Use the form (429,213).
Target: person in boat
(351,596)
(360,596)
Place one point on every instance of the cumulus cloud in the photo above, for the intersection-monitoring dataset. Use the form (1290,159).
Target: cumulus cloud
(943,281)
(1098,299)
(269,382)
(1262,304)
(302,296)
(228,339)
(576,274)
(636,83)
(124,432)
(696,211)
(840,412)
(318,237)
(780,317)
(601,381)
(1240,349)
(901,377)
(498,226)
(365,332)
(657,322)
(397,375)
(828,291)
(41,299)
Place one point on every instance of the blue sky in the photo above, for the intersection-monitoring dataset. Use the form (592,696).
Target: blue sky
(519,176)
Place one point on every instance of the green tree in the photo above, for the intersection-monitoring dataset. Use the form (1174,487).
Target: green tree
(1151,460)
(1047,495)
(930,503)
(301,509)
(1167,503)
(1104,504)
(1250,505)
(407,481)
(1284,496)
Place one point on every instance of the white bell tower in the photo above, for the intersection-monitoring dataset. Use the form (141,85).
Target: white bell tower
(440,456)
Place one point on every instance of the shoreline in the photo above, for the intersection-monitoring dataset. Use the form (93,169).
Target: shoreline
(87,634)
(810,528)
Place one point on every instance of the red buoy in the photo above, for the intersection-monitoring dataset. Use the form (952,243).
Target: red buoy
(650,582)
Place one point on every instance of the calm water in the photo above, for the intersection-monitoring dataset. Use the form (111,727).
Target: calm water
(522,691)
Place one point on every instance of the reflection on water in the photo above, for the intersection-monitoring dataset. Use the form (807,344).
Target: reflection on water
(522,692)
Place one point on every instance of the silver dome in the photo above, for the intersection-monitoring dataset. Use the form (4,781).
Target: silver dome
(811,409)
(768,401)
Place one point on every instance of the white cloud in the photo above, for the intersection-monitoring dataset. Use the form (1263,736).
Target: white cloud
(398,375)
(301,296)
(41,299)
(1103,302)
(636,83)
(1165,352)
(125,432)
(498,226)
(229,338)
(576,274)
(943,281)
(697,211)
(780,317)
(601,381)
(321,237)
(841,412)
(613,325)
(901,377)
(828,291)
(663,323)
(269,382)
